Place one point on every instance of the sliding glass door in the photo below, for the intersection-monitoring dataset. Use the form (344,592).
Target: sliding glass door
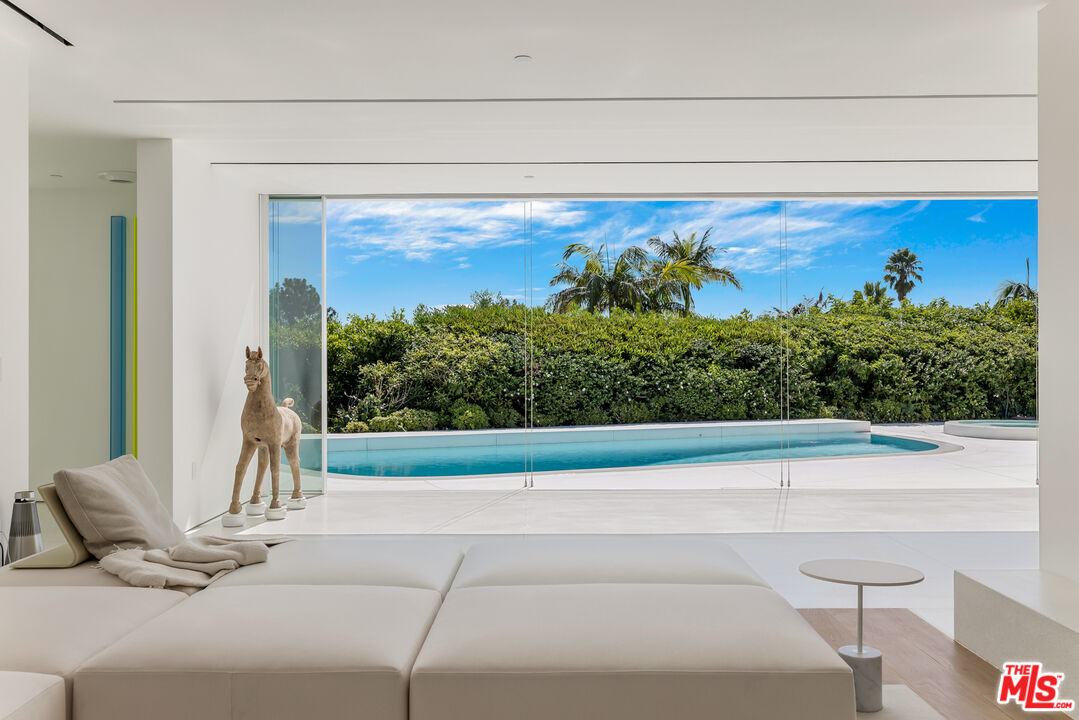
(295,328)
(428,353)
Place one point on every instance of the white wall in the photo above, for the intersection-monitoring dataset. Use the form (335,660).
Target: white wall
(1058,255)
(198,308)
(69,324)
(15,279)
(215,314)
(155,302)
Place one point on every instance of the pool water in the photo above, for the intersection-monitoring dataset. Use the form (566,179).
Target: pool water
(552,456)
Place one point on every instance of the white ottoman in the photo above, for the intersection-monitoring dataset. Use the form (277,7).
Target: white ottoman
(354,560)
(271,652)
(32,696)
(53,630)
(557,560)
(626,652)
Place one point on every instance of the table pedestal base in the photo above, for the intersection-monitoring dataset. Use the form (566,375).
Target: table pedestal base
(867,676)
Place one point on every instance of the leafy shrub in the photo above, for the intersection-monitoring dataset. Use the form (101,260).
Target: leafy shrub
(385,424)
(403,420)
(466,368)
(413,420)
(357,426)
(468,416)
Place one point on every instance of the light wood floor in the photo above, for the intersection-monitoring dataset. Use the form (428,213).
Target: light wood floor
(955,681)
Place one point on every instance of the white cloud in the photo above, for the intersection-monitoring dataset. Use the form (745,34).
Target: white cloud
(421,230)
(750,229)
(979,217)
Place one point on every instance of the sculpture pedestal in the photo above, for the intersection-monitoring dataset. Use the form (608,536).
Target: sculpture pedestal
(230,520)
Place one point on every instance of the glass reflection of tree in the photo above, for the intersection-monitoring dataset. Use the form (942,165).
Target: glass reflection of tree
(295,334)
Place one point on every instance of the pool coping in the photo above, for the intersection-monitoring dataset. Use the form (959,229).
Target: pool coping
(963,428)
(942,447)
(592,433)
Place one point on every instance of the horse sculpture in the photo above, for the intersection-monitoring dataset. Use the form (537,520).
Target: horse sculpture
(269,429)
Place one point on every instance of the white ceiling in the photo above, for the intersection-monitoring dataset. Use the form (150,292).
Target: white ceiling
(584,50)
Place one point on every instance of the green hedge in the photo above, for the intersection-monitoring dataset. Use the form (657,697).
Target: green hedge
(465,368)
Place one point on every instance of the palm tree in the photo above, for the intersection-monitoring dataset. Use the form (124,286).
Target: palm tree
(902,271)
(875,293)
(1010,290)
(600,284)
(664,283)
(689,265)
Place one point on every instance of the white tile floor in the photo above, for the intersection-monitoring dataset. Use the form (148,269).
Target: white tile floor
(973,508)
(664,511)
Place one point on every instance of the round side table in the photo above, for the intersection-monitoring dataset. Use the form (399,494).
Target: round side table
(863,660)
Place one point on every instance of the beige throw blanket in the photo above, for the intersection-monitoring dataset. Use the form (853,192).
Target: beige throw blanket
(189,566)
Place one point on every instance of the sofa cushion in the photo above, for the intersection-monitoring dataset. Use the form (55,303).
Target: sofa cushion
(87,573)
(114,505)
(53,630)
(555,560)
(267,652)
(578,652)
(31,696)
(428,563)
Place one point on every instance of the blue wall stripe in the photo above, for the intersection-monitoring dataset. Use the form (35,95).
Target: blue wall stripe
(117,335)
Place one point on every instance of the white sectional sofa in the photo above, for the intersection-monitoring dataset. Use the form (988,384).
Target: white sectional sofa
(434,628)
(269,651)
(32,696)
(54,630)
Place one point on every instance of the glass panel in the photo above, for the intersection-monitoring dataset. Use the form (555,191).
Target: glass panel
(295,323)
(427,343)
(655,343)
(919,317)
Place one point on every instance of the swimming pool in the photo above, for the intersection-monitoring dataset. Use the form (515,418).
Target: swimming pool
(500,458)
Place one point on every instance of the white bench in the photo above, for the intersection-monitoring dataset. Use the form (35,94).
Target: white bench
(1020,615)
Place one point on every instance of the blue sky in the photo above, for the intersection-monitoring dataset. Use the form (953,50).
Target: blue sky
(387,254)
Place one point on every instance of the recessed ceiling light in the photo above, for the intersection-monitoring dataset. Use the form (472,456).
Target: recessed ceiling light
(124,177)
(523,58)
